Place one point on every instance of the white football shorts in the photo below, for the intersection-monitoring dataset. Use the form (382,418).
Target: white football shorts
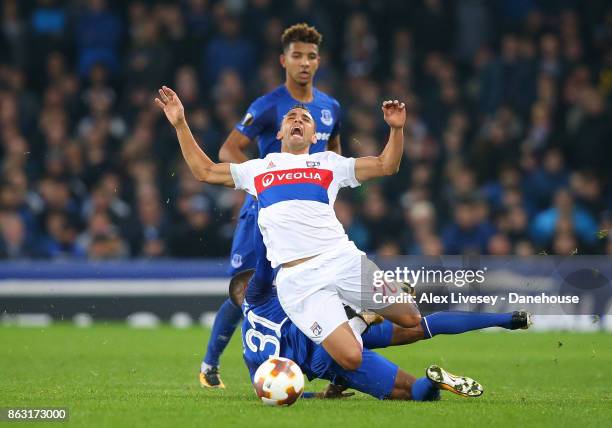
(312,293)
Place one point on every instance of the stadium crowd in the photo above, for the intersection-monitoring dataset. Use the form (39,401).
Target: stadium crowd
(509,133)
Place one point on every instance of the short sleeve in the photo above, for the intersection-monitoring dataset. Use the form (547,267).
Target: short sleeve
(243,175)
(344,170)
(259,115)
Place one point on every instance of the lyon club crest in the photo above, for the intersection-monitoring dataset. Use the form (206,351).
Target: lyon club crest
(316,329)
(326,117)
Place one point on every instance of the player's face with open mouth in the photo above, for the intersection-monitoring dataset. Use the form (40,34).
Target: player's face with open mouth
(301,60)
(298,129)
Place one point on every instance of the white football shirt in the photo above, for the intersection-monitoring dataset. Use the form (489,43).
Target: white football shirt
(296,195)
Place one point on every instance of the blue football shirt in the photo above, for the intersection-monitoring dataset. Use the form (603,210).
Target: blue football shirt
(264,117)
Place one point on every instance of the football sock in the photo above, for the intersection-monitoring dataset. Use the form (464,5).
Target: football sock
(359,339)
(378,335)
(356,330)
(424,389)
(226,321)
(358,325)
(456,322)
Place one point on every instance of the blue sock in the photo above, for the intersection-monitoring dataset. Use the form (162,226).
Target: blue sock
(456,322)
(378,335)
(424,389)
(226,321)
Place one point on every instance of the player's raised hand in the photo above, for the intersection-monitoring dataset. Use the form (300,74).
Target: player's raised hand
(394,113)
(172,106)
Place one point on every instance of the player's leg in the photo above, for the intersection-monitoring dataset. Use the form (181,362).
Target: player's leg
(355,284)
(425,390)
(229,314)
(355,287)
(382,379)
(381,335)
(428,388)
(376,376)
(406,315)
(315,308)
(344,347)
(227,319)
(457,322)
(388,334)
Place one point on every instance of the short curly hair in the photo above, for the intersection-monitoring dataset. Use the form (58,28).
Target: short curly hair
(301,33)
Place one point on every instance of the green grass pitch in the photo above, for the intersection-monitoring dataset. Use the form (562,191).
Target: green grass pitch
(110,375)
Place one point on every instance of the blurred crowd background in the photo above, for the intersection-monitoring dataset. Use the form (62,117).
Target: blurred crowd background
(509,133)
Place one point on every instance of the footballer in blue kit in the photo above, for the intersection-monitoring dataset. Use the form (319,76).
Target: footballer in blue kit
(268,332)
(300,59)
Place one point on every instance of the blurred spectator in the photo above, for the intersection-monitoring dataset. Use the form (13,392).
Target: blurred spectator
(98,34)
(49,31)
(587,189)
(432,246)
(12,35)
(107,246)
(60,240)
(499,245)
(508,79)
(589,142)
(473,22)
(149,238)
(361,47)
(469,232)
(355,229)
(544,182)
(195,236)
(148,59)
(564,244)
(431,22)
(228,50)
(524,249)
(422,226)
(14,243)
(100,240)
(563,212)
(380,221)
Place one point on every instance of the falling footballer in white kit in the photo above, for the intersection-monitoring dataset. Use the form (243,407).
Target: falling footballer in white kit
(296,195)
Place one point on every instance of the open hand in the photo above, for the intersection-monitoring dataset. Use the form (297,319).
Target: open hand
(394,113)
(172,106)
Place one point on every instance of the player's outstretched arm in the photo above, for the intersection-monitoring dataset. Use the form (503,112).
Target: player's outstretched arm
(387,163)
(201,166)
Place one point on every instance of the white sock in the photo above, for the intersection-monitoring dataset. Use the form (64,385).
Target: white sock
(205,367)
(358,326)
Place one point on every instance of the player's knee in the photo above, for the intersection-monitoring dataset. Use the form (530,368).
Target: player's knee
(409,320)
(351,358)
